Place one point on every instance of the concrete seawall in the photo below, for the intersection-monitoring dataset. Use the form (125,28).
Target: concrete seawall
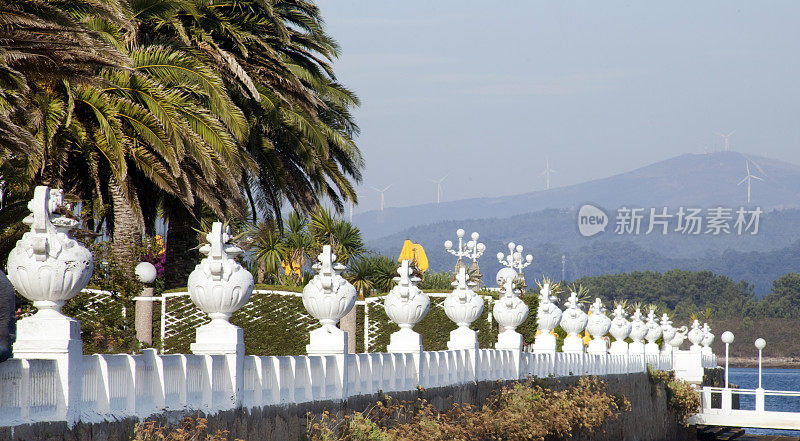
(648,420)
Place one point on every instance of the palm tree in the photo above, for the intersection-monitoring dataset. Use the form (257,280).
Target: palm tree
(44,41)
(344,237)
(275,55)
(270,250)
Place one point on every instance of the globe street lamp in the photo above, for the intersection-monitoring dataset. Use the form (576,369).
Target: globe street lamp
(727,338)
(146,273)
(760,344)
(515,261)
(471,250)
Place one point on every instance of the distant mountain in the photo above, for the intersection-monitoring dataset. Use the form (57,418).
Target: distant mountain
(705,180)
(545,222)
(550,234)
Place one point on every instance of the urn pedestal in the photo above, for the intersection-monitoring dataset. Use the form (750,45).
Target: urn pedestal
(573,321)
(548,316)
(219,286)
(620,329)
(463,307)
(654,331)
(328,297)
(509,311)
(708,338)
(696,337)
(667,334)
(597,326)
(49,268)
(638,332)
(406,305)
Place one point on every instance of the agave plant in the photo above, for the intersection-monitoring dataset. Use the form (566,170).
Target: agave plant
(555,287)
(622,303)
(584,296)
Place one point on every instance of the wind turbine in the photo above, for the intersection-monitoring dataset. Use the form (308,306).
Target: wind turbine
(438,183)
(727,144)
(382,191)
(351,211)
(748,178)
(547,172)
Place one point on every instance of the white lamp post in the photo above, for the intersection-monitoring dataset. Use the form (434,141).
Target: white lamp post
(514,260)
(146,273)
(473,249)
(727,338)
(760,344)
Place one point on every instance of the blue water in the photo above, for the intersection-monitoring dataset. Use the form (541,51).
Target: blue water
(771,379)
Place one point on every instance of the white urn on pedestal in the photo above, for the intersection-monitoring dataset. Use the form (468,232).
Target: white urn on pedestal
(653,333)
(328,297)
(667,334)
(708,338)
(219,286)
(548,316)
(638,332)
(597,326)
(509,311)
(696,336)
(573,321)
(48,268)
(678,339)
(463,307)
(406,305)
(620,329)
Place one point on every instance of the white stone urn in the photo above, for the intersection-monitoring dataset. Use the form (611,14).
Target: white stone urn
(509,311)
(406,305)
(597,326)
(573,321)
(328,297)
(680,335)
(620,329)
(708,338)
(653,333)
(667,334)
(548,316)
(219,286)
(463,307)
(695,336)
(638,332)
(48,267)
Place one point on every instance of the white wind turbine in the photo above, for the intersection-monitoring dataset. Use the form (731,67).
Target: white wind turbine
(748,178)
(438,183)
(547,172)
(727,143)
(382,192)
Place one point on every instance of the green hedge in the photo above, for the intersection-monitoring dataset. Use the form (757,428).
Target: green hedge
(279,325)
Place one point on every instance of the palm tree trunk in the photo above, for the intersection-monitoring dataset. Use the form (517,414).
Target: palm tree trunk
(181,254)
(127,233)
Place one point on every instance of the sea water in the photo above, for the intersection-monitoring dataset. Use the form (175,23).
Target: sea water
(771,379)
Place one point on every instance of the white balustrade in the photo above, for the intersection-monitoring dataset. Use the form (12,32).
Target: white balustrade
(51,380)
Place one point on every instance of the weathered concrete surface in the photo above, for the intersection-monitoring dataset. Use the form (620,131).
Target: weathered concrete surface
(648,420)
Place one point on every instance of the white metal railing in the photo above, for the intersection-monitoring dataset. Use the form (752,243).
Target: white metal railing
(717,408)
(120,385)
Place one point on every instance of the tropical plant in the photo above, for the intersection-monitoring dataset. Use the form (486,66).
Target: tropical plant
(372,272)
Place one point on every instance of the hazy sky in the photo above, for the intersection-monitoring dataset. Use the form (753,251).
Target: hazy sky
(485,91)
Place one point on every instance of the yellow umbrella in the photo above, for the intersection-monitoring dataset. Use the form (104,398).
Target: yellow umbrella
(415,253)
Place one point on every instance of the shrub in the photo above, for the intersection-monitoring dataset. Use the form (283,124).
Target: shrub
(189,430)
(682,398)
(521,411)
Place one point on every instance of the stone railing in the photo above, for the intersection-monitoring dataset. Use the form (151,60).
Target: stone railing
(49,378)
(120,385)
